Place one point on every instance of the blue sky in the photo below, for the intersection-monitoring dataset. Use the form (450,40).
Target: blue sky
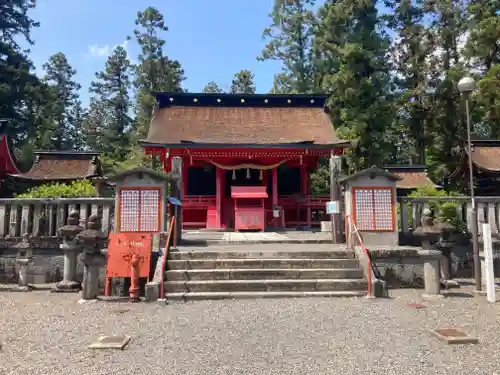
(212,39)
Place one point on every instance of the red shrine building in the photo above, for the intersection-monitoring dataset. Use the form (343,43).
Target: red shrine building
(7,160)
(247,159)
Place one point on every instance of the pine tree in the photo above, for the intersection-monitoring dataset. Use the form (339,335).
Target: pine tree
(243,83)
(483,45)
(447,27)
(358,79)
(212,87)
(111,93)
(93,125)
(289,41)
(18,85)
(155,71)
(412,46)
(483,51)
(59,75)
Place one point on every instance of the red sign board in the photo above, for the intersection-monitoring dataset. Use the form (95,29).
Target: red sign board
(122,246)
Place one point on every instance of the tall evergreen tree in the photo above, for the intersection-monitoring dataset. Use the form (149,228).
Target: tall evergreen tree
(154,71)
(18,85)
(93,125)
(243,82)
(212,87)
(111,90)
(447,27)
(412,46)
(78,117)
(358,79)
(483,51)
(483,44)
(59,75)
(289,39)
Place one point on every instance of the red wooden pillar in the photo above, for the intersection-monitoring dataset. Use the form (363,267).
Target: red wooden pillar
(304,177)
(218,195)
(275,186)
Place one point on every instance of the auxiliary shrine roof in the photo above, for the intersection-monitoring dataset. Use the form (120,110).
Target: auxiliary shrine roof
(412,176)
(218,120)
(63,165)
(485,156)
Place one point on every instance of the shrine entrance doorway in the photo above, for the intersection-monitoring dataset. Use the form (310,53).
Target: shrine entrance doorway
(244,177)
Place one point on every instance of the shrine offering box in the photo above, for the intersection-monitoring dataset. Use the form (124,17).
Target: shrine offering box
(249,211)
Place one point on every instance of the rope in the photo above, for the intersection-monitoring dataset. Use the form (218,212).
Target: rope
(248,166)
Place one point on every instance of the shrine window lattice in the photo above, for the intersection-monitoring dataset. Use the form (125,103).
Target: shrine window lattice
(139,210)
(374,209)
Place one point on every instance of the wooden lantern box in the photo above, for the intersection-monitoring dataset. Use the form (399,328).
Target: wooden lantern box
(249,210)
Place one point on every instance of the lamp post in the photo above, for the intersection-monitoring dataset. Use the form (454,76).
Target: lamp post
(335,167)
(466,86)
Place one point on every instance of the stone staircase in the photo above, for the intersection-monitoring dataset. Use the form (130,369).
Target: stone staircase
(263,270)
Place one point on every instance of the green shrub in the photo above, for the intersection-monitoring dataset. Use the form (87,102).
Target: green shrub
(76,189)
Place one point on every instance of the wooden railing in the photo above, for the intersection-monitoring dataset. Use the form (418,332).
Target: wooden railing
(43,217)
(354,240)
(171,240)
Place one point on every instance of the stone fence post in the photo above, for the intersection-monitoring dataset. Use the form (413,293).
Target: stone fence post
(92,241)
(71,250)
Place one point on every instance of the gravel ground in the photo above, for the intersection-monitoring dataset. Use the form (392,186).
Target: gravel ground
(48,334)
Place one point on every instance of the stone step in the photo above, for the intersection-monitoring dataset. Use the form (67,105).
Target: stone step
(269,273)
(268,254)
(248,263)
(254,295)
(298,285)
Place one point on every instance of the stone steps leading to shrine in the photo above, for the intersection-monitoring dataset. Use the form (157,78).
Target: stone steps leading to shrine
(292,263)
(264,274)
(253,295)
(269,285)
(233,253)
(263,271)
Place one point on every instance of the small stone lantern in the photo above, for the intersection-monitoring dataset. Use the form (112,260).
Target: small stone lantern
(428,233)
(23,260)
(445,245)
(92,240)
(71,250)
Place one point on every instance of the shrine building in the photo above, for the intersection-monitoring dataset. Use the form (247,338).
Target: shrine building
(485,158)
(412,177)
(246,158)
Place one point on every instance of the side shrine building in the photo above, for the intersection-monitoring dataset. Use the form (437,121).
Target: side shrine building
(246,158)
(485,158)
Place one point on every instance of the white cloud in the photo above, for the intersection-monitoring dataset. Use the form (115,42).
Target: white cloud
(105,50)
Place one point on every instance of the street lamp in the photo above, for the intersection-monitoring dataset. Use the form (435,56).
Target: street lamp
(466,86)
(335,169)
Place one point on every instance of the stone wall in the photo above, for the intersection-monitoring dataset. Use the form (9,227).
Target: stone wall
(47,266)
(404,268)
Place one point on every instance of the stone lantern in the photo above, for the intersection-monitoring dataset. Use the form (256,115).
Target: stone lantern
(92,240)
(429,233)
(445,245)
(23,260)
(71,250)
